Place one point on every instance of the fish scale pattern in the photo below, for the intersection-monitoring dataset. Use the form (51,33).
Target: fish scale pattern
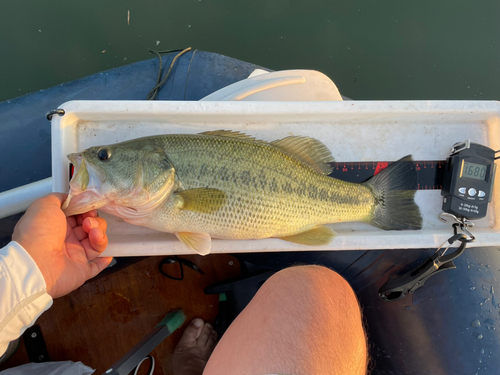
(269,191)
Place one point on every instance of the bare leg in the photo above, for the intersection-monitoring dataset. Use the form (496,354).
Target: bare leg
(303,320)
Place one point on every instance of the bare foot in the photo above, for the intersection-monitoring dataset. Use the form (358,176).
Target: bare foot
(194,348)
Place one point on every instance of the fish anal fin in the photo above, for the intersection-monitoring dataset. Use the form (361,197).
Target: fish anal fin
(318,236)
(199,242)
(232,134)
(311,151)
(202,200)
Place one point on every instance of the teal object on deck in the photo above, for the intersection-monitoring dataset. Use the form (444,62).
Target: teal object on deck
(173,320)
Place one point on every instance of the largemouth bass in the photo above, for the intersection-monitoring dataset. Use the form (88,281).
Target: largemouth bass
(226,184)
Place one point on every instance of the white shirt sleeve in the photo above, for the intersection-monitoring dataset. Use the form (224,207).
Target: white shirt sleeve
(23,293)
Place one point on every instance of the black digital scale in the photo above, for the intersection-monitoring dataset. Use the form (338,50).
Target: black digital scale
(468,179)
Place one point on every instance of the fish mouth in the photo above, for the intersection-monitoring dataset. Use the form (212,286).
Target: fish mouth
(83,193)
(81,203)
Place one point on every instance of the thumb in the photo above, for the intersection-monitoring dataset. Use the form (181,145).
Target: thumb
(55,198)
(98,264)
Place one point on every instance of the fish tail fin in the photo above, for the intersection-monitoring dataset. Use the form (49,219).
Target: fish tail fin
(395,207)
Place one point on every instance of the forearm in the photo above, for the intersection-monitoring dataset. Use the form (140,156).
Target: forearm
(23,293)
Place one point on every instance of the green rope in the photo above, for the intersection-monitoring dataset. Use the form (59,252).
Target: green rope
(154,91)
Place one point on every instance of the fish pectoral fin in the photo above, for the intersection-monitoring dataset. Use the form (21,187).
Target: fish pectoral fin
(199,242)
(317,236)
(311,151)
(201,200)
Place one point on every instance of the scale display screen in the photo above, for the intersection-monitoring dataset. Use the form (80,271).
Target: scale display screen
(475,171)
(468,179)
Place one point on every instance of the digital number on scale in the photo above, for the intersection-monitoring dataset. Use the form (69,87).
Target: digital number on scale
(473,170)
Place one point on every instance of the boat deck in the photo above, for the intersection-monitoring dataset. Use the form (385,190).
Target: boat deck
(103,319)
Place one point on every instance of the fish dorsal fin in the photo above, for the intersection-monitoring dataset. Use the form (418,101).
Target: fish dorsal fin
(201,200)
(199,242)
(232,134)
(311,151)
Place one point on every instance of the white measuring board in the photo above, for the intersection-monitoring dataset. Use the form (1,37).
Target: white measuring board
(352,130)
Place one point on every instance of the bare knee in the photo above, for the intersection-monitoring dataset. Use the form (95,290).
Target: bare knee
(303,320)
(310,282)
(320,297)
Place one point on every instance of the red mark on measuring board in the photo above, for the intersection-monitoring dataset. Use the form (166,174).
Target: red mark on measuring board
(380,165)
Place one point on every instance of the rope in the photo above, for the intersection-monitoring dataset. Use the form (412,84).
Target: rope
(154,91)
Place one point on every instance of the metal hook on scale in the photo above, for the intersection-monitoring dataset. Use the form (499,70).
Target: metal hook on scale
(463,223)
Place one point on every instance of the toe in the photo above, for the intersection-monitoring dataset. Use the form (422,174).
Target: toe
(212,340)
(205,334)
(191,333)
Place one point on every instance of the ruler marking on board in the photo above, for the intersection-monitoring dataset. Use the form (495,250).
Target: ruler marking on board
(429,172)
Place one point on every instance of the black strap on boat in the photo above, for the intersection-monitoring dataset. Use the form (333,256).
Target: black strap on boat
(159,82)
(409,282)
(176,259)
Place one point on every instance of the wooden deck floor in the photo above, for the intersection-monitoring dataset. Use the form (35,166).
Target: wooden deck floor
(102,320)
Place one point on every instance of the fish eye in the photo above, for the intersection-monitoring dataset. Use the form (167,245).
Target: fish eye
(103,154)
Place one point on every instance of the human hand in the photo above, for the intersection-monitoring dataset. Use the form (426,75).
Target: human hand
(66,249)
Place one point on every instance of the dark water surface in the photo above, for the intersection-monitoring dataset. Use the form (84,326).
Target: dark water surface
(446,49)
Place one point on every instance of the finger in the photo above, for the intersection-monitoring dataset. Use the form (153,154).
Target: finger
(95,244)
(79,219)
(97,265)
(71,221)
(92,213)
(95,222)
(98,239)
(80,233)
